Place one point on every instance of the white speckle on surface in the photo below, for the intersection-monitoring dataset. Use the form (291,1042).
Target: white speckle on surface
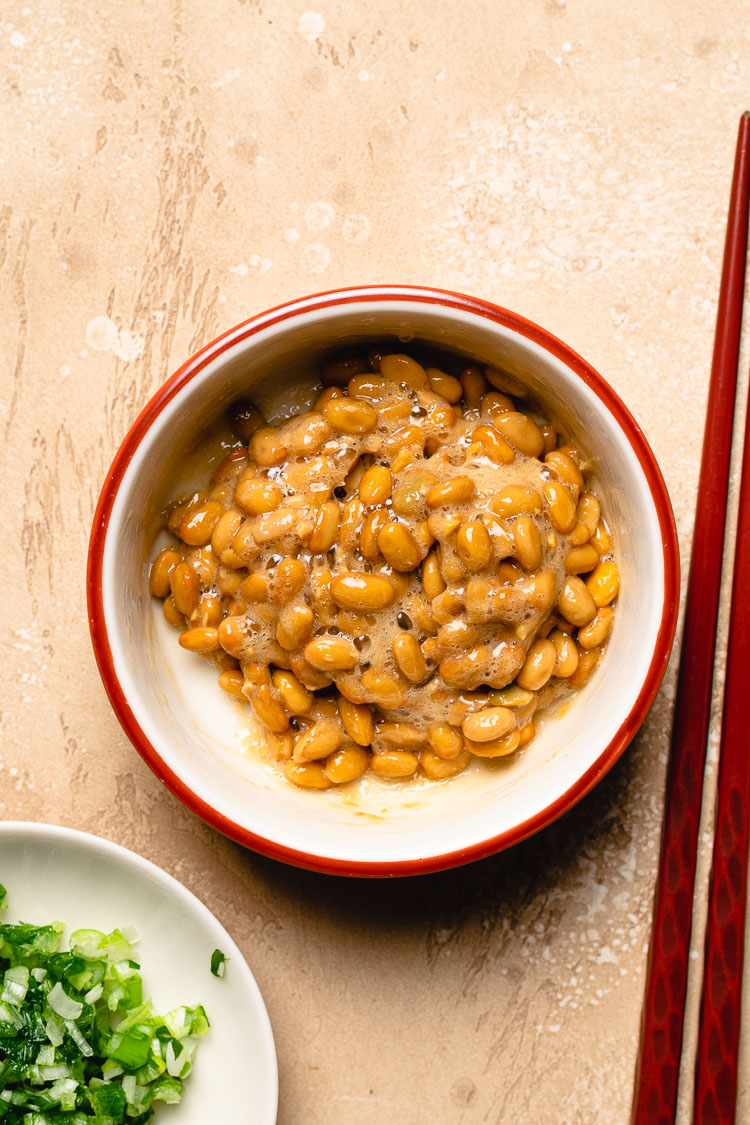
(225,79)
(355,229)
(606,956)
(17,39)
(241,269)
(364,76)
(316,257)
(265,265)
(310,25)
(318,216)
(255,260)
(291,234)
(128,345)
(294,206)
(597,899)
(64,370)
(627,868)
(101,333)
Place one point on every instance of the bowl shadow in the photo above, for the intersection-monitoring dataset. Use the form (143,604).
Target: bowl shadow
(508,884)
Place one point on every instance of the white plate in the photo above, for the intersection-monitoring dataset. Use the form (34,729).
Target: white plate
(59,874)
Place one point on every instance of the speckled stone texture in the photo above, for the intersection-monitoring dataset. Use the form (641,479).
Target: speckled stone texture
(170,169)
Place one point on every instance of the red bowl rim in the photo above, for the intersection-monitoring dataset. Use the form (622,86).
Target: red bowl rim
(611,753)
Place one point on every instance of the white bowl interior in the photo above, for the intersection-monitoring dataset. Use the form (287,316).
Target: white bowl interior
(208,740)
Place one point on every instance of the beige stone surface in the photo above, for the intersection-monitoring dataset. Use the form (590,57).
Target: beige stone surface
(170,168)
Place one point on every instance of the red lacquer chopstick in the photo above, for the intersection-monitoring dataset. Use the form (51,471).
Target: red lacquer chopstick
(719,1031)
(657,1073)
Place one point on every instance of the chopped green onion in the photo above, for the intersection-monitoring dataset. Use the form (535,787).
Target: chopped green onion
(85,1048)
(46,1056)
(79,1045)
(55,1033)
(15,985)
(129,1088)
(218,960)
(94,993)
(62,1004)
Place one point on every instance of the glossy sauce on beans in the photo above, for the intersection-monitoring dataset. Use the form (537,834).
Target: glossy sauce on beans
(373,574)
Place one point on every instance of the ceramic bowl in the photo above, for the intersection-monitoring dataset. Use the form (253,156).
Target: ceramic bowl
(197,741)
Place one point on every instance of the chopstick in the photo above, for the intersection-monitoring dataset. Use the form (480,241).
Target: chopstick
(719,1029)
(657,1073)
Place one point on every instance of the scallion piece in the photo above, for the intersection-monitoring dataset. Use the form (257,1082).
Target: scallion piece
(218,961)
